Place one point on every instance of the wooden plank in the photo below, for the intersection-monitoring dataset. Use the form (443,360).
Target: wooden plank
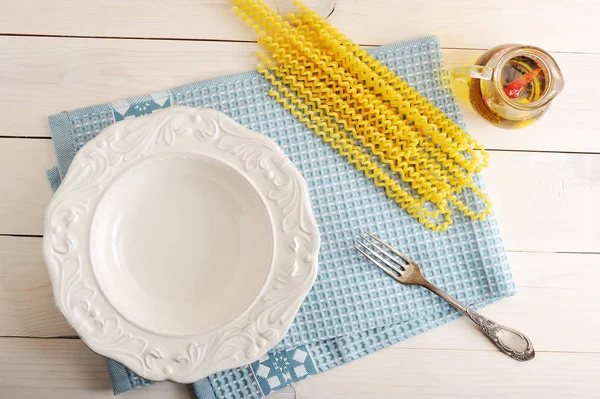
(44,76)
(545,291)
(546,202)
(158,391)
(553,292)
(24,189)
(67,369)
(459,23)
(457,374)
(66,74)
(55,368)
(543,201)
(26,301)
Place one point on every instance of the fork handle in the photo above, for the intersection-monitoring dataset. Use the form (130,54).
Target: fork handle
(513,343)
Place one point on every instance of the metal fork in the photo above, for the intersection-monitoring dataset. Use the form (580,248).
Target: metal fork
(402,269)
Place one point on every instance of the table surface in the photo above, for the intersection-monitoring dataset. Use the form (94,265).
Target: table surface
(545,183)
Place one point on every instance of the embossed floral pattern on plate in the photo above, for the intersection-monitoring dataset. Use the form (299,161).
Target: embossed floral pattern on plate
(180,355)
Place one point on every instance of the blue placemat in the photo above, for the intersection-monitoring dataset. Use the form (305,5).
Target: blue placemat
(353,308)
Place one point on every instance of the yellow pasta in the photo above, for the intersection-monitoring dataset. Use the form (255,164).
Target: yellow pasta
(373,118)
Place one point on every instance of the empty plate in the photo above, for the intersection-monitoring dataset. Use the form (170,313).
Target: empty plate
(181,244)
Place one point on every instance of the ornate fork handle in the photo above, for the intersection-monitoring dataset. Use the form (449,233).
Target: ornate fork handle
(399,267)
(512,342)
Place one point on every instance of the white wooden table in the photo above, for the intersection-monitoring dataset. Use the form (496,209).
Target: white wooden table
(545,183)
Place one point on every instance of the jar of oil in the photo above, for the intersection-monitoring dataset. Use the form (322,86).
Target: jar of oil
(512,85)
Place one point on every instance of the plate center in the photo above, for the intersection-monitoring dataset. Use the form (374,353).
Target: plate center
(181,244)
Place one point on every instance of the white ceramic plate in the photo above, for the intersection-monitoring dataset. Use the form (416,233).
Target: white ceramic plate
(181,244)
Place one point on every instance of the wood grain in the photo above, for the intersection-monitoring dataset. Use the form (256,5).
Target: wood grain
(33,368)
(549,288)
(459,23)
(546,202)
(457,374)
(24,189)
(545,292)
(67,74)
(67,369)
(26,301)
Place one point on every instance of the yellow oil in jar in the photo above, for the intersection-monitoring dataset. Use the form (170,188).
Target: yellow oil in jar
(522,81)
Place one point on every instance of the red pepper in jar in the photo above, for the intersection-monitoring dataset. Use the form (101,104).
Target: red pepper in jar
(513,89)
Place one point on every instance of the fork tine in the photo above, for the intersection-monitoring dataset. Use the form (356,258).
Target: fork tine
(387,263)
(394,250)
(382,251)
(379,265)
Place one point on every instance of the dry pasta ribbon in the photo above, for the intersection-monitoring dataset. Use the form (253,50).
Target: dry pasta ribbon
(405,144)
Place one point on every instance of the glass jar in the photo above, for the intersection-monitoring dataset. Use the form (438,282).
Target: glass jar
(512,85)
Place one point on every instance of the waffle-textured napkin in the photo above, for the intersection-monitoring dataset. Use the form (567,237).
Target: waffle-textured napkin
(353,309)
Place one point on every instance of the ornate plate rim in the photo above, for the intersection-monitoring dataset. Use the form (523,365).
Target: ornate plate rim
(187,130)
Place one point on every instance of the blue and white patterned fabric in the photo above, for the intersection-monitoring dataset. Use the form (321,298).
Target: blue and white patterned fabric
(278,369)
(353,309)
